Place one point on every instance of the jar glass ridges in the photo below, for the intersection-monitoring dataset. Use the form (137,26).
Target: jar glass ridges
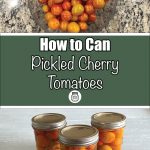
(78,137)
(111,130)
(46,128)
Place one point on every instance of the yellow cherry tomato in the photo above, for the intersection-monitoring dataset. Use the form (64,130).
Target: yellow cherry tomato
(77,9)
(73,27)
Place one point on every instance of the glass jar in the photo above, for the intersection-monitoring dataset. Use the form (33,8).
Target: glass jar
(111,129)
(46,128)
(78,137)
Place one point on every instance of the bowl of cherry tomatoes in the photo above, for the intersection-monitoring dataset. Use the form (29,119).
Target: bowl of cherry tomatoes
(72,16)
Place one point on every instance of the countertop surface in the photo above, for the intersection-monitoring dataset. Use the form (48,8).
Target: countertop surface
(16,132)
(131,16)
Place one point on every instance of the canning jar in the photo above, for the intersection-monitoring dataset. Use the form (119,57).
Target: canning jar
(78,137)
(46,128)
(111,129)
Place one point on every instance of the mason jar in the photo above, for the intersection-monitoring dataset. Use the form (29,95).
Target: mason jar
(111,129)
(46,128)
(78,137)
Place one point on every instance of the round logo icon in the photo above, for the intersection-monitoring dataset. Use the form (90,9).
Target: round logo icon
(74,96)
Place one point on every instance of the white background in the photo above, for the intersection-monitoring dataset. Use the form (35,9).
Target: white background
(16,132)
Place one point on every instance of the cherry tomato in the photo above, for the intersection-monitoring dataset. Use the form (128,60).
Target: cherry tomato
(83,17)
(45,8)
(58,1)
(66,15)
(77,9)
(74,2)
(83,26)
(64,25)
(92,17)
(89,9)
(50,2)
(53,24)
(98,4)
(42,1)
(56,9)
(73,27)
(66,5)
(74,18)
(89,2)
(48,16)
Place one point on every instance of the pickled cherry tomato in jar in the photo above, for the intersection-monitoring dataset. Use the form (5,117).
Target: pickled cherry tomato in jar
(111,130)
(78,137)
(46,128)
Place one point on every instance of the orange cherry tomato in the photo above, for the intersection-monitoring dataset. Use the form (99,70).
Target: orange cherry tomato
(66,15)
(92,17)
(73,27)
(83,17)
(66,5)
(42,1)
(48,16)
(77,9)
(45,8)
(64,25)
(56,9)
(98,4)
(74,2)
(89,9)
(53,24)
(105,147)
(107,137)
(50,2)
(58,1)
(83,26)
(74,18)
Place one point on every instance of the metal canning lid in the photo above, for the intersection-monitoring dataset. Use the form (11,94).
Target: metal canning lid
(108,120)
(78,135)
(48,121)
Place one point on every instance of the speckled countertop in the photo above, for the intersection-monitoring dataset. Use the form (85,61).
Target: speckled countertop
(131,16)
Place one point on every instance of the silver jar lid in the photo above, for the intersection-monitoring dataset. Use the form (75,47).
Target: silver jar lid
(48,121)
(78,135)
(108,120)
